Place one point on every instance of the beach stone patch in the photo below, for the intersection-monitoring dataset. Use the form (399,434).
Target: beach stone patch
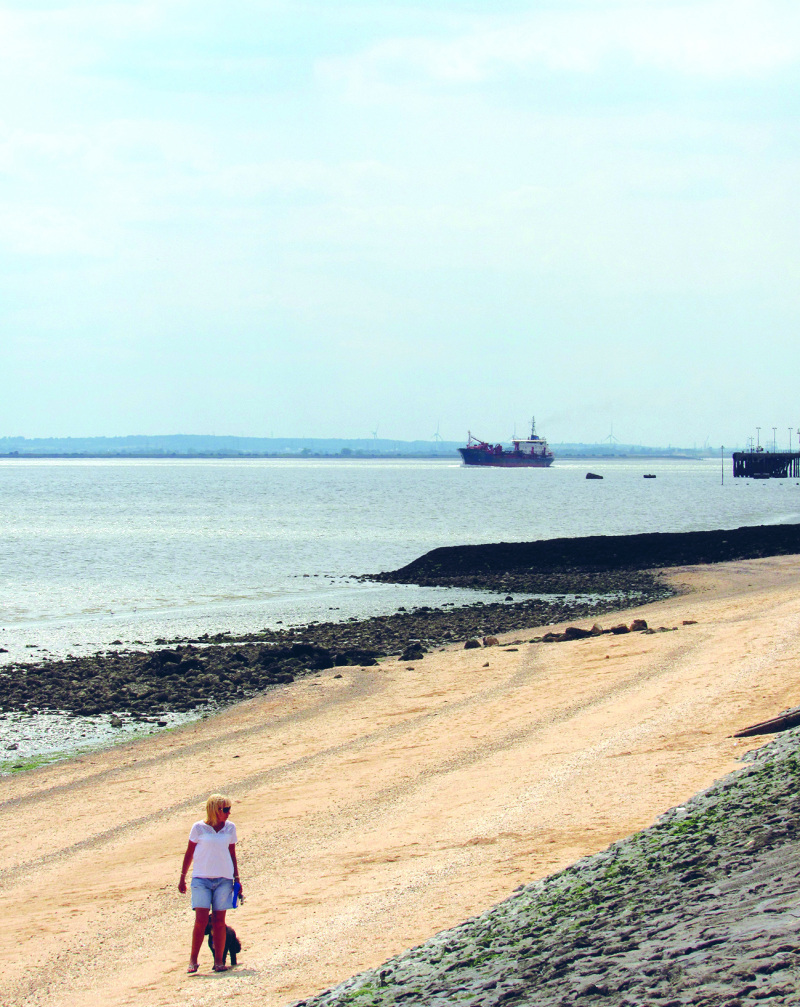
(702,908)
(177,679)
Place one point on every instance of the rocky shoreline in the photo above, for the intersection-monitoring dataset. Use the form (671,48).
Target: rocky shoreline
(702,908)
(211,672)
(570,579)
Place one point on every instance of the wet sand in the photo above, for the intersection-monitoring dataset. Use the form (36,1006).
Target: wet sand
(379,807)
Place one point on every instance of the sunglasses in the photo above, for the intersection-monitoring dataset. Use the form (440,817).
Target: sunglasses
(226,811)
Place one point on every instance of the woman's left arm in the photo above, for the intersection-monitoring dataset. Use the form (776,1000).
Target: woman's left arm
(232,851)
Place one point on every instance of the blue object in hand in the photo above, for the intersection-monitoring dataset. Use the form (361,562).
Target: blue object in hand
(236,889)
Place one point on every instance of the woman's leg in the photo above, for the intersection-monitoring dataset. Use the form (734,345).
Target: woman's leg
(199,932)
(219,936)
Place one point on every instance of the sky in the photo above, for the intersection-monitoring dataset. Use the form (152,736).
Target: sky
(331,219)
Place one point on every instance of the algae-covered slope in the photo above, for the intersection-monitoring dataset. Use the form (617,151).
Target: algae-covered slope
(702,908)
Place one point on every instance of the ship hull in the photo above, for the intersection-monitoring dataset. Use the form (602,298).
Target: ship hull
(504,460)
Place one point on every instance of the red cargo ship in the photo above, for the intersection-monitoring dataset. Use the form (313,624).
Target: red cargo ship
(532,452)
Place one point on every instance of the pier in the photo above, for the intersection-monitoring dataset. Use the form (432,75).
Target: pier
(760,464)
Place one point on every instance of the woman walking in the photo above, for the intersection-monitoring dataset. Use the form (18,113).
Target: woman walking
(212,847)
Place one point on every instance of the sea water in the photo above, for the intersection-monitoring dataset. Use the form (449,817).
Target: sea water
(98,554)
(98,551)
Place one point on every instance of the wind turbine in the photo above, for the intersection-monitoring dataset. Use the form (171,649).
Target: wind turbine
(437,436)
(375,432)
(611,438)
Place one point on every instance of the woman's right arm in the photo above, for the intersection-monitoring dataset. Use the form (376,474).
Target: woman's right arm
(187,859)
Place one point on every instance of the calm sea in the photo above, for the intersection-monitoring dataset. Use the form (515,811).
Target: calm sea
(92,552)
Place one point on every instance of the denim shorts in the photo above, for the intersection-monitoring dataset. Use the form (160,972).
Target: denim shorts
(212,893)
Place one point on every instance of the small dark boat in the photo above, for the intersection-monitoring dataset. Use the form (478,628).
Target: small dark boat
(649,475)
(593,475)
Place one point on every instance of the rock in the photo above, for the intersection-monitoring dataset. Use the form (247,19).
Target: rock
(593,475)
(162,657)
(596,630)
(116,722)
(490,641)
(472,644)
(620,629)
(12,748)
(552,638)
(638,625)
(414,652)
(576,633)
(189,664)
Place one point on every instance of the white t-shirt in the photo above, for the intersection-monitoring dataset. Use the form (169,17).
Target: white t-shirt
(212,858)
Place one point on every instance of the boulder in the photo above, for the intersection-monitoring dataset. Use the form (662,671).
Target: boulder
(472,644)
(160,658)
(638,625)
(620,629)
(491,641)
(576,633)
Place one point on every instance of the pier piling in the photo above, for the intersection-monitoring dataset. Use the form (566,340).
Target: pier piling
(761,464)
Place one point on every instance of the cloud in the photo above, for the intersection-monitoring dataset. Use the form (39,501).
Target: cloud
(713,39)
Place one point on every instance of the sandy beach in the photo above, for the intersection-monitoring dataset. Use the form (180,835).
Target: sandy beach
(376,806)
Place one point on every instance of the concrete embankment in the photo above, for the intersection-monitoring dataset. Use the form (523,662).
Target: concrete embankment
(594,562)
(701,908)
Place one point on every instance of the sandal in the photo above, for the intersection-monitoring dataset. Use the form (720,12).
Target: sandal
(192,969)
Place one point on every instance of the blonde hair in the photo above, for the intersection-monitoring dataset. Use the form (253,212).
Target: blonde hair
(214,806)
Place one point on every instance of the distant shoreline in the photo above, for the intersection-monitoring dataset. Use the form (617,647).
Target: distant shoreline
(355,455)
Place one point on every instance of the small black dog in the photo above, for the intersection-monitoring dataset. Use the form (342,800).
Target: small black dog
(232,945)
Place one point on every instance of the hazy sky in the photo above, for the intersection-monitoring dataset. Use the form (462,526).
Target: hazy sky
(315,219)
